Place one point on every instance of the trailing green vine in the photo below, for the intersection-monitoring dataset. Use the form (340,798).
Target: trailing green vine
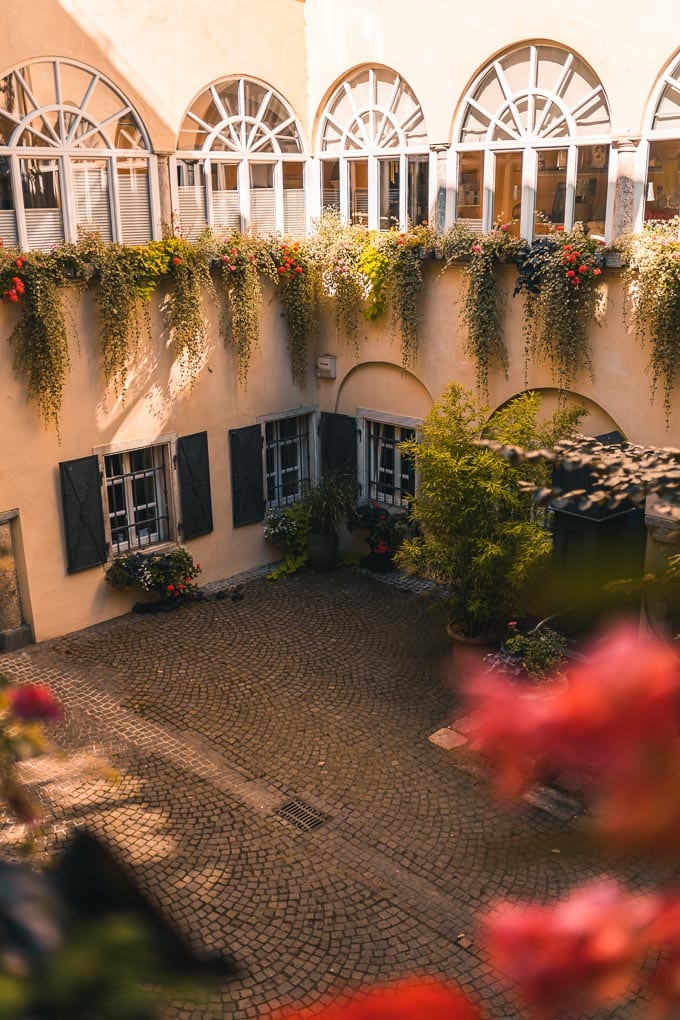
(39,339)
(190,273)
(339,250)
(482,306)
(241,261)
(652,274)
(298,292)
(559,276)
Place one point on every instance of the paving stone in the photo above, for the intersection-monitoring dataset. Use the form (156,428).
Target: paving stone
(448,739)
(190,730)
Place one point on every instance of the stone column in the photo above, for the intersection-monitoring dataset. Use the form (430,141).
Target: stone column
(441,149)
(624,192)
(164,195)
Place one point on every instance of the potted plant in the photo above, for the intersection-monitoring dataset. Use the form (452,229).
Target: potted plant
(385,533)
(483,537)
(171,575)
(329,501)
(535,655)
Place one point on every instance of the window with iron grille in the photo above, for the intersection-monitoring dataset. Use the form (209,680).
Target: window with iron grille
(391,475)
(288,459)
(137,497)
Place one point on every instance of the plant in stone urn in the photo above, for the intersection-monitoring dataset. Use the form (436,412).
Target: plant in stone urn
(329,502)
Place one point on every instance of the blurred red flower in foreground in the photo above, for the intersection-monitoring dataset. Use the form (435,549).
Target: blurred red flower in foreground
(618,711)
(580,951)
(34,703)
(407,1001)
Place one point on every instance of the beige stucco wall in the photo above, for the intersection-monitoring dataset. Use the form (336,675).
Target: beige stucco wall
(161,55)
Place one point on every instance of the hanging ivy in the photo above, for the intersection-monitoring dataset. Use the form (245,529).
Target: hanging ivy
(39,339)
(189,270)
(241,261)
(339,250)
(298,292)
(482,305)
(652,274)
(559,277)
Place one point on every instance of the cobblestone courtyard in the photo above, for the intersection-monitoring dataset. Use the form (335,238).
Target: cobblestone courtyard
(318,687)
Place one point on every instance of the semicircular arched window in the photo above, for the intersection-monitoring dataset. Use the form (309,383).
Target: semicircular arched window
(241,162)
(533,144)
(662,187)
(374,152)
(74,156)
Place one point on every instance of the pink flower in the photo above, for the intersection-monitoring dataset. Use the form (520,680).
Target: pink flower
(577,952)
(476,248)
(34,703)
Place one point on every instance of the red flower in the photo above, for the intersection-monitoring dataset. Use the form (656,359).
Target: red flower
(582,269)
(406,1001)
(20,263)
(170,587)
(198,566)
(476,248)
(298,269)
(176,260)
(382,547)
(578,952)
(559,228)
(12,295)
(570,274)
(596,272)
(34,703)
(281,270)
(576,281)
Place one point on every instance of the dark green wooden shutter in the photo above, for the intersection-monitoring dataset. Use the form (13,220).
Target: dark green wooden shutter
(194,485)
(247,484)
(83,513)
(339,443)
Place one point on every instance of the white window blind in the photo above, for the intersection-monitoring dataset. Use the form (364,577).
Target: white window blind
(294,211)
(91,192)
(44,228)
(226,212)
(262,211)
(8,228)
(134,203)
(191,211)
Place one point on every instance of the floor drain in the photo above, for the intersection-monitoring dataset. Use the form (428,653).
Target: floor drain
(303,816)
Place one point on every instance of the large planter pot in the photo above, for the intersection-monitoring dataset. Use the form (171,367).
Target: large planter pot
(323,550)
(474,646)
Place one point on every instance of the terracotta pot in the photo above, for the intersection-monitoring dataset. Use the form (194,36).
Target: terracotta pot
(476,645)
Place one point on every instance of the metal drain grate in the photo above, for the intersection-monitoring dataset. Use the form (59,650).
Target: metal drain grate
(303,816)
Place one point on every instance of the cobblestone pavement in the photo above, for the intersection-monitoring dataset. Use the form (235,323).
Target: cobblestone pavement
(318,687)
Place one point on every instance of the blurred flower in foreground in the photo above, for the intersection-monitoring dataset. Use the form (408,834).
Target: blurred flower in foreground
(615,719)
(33,703)
(23,711)
(579,952)
(407,1001)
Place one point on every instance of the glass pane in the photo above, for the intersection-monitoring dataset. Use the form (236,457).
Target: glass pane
(6,200)
(330,184)
(91,193)
(470,176)
(261,175)
(507,196)
(358,191)
(662,194)
(42,202)
(551,189)
(293,198)
(418,195)
(590,202)
(134,200)
(224,176)
(389,193)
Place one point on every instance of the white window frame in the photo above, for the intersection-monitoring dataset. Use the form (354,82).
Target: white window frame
(168,442)
(370,124)
(66,152)
(528,140)
(311,412)
(669,79)
(241,147)
(364,418)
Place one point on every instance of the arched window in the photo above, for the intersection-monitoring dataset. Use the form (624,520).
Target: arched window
(374,152)
(73,155)
(241,162)
(533,144)
(662,188)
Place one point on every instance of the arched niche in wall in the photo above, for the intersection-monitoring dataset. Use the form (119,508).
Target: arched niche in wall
(597,421)
(380,386)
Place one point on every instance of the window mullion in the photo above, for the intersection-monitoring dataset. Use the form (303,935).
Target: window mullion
(344,188)
(529,170)
(244,194)
(278,196)
(403,189)
(489,185)
(207,189)
(373,193)
(570,195)
(19,213)
(114,201)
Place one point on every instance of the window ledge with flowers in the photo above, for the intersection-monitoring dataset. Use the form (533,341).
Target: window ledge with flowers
(170,575)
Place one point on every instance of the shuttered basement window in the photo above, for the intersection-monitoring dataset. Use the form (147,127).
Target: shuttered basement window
(134,201)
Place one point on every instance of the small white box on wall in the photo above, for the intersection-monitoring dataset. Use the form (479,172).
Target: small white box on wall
(325,366)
